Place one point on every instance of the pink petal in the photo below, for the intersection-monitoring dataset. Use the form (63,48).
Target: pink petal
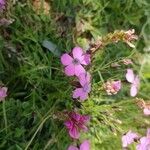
(86,60)
(85,145)
(83,96)
(130,75)
(78,53)
(85,119)
(71,147)
(88,77)
(128,138)
(144,144)
(69,124)
(89,88)
(79,69)
(146,111)
(76,116)
(66,59)
(136,81)
(139,147)
(70,70)
(74,133)
(125,141)
(145,141)
(83,127)
(117,85)
(84,78)
(133,90)
(77,92)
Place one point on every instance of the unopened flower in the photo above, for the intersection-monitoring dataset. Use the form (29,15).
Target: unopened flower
(129,37)
(85,88)
(115,65)
(134,80)
(127,61)
(144,142)
(84,146)
(75,123)
(112,87)
(3,93)
(2,5)
(73,63)
(129,138)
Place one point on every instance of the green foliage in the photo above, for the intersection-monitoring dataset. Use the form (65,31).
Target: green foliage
(37,85)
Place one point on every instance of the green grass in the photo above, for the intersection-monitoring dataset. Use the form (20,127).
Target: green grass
(38,88)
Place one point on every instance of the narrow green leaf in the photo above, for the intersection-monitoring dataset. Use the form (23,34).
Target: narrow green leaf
(51,47)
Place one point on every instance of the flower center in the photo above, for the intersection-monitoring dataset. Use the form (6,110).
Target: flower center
(76,61)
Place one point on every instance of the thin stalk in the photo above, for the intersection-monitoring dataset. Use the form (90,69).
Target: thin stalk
(34,135)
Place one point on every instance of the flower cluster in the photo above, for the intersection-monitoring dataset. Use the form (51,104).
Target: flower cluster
(143,142)
(125,36)
(74,66)
(112,87)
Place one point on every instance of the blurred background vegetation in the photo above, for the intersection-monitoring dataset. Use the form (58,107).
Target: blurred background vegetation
(37,86)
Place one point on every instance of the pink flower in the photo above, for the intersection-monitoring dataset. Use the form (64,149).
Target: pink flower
(85,88)
(3,93)
(144,142)
(134,80)
(84,146)
(129,138)
(73,64)
(2,5)
(112,87)
(75,123)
